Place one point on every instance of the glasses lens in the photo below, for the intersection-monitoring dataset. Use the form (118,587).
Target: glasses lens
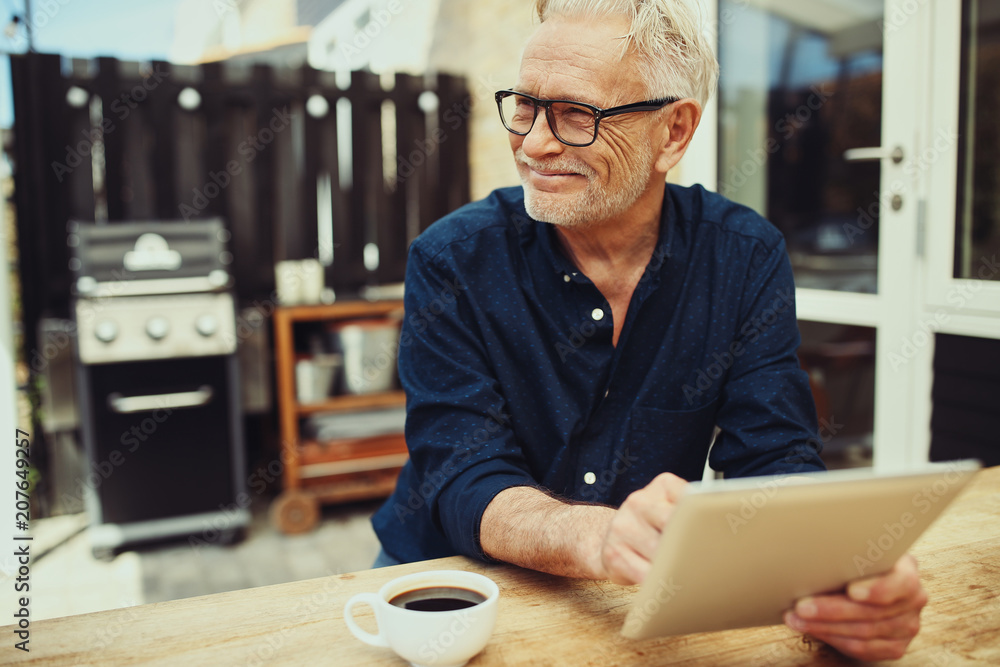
(518,113)
(574,123)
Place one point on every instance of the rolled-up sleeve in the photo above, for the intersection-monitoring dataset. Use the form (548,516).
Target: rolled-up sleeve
(767,417)
(458,430)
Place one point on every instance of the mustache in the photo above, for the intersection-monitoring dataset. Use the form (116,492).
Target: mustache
(562,164)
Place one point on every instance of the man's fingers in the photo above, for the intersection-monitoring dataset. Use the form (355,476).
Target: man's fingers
(625,566)
(655,503)
(629,546)
(672,486)
(633,528)
(875,620)
(867,649)
(838,608)
(892,594)
(654,512)
(634,533)
(902,582)
(903,626)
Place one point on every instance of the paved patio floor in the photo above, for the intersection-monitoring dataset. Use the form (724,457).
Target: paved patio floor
(69,580)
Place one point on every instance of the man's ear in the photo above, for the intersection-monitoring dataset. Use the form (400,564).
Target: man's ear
(682,120)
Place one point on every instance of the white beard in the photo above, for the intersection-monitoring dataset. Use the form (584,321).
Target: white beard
(595,203)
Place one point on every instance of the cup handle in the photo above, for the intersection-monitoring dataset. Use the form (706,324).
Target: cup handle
(371,599)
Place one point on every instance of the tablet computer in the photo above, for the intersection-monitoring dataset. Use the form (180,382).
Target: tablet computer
(739,553)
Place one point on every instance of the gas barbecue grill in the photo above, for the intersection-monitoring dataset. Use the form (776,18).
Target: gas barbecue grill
(157,379)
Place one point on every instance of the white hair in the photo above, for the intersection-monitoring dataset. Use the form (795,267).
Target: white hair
(675,55)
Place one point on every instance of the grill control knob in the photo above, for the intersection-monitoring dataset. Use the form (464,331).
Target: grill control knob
(157,328)
(106,331)
(206,325)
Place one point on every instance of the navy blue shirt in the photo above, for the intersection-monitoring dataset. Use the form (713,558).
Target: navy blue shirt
(511,377)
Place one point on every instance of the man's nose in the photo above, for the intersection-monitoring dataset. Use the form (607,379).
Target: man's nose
(540,139)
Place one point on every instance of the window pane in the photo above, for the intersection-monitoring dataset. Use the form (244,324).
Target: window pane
(840,360)
(978,229)
(801,84)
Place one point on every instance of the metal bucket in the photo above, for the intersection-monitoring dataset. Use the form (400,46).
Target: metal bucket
(369,349)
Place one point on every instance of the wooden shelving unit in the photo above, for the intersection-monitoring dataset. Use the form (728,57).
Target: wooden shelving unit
(338,470)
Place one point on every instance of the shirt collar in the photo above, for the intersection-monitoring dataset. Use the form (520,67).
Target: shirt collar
(546,235)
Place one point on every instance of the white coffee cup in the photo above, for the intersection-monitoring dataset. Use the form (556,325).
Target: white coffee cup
(299,281)
(430,638)
(288,282)
(311,272)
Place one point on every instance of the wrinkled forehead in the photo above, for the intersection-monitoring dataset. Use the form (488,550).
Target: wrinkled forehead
(581,58)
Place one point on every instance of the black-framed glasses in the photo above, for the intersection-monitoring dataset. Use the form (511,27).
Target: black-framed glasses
(573,123)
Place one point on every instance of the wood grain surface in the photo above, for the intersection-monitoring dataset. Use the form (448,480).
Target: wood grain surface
(543,620)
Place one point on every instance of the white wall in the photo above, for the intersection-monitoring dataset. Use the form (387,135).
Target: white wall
(380,35)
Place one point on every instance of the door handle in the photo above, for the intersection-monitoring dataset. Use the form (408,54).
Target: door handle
(874,154)
(184,399)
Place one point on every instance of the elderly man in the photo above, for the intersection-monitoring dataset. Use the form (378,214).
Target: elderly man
(571,346)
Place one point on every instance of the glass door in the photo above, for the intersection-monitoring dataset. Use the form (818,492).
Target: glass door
(962,271)
(818,129)
(959,305)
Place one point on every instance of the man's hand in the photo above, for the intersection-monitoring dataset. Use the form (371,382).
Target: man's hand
(635,529)
(875,620)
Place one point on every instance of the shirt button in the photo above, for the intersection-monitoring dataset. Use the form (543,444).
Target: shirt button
(598,314)
(590,478)
(566,277)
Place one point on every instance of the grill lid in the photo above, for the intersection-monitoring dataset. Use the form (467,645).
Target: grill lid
(141,257)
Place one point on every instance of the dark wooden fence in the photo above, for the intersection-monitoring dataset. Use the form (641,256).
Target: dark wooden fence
(274,152)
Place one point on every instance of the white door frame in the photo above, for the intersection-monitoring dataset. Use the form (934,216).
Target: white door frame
(901,432)
(959,306)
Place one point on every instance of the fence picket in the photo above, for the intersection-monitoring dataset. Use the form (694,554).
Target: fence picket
(166,162)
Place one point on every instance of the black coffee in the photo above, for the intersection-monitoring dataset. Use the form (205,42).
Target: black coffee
(438,598)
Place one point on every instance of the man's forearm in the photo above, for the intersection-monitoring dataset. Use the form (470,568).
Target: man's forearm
(526,527)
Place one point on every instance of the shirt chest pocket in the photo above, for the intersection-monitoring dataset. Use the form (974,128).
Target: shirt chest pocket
(674,441)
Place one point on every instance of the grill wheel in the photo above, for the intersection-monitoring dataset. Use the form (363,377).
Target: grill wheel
(294,512)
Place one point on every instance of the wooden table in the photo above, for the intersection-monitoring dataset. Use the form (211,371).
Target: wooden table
(543,620)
